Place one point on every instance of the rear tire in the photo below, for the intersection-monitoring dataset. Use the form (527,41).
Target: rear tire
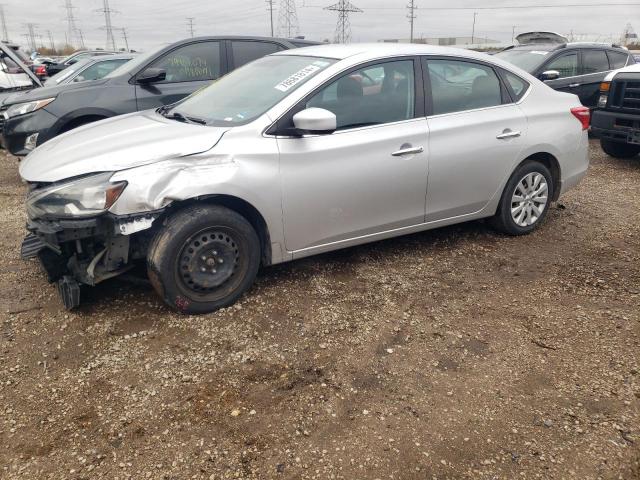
(619,150)
(525,199)
(204,258)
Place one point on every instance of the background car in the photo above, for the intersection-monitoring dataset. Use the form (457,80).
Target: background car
(158,78)
(295,154)
(92,68)
(576,68)
(54,68)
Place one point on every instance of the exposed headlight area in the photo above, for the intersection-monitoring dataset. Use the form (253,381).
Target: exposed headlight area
(604,94)
(27,107)
(85,197)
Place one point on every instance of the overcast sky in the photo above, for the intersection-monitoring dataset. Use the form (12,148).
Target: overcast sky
(151,23)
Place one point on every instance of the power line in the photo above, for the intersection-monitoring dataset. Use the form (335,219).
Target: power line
(504,7)
(343,28)
(270,3)
(288,19)
(108,26)
(412,16)
(51,42)
(31,36)
(126,39)
(190,25)
(71,21)
(3,21)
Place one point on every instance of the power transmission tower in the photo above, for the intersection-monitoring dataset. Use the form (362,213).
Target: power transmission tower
(71,22)
(190,25)
(473,29)
(108,26)
(51,42)
(270,3)
(343,29)
(31,27)
(124,36)
(412,16)
(288,19)
(3,21)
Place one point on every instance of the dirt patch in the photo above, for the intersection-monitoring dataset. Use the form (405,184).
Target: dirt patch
(455,353)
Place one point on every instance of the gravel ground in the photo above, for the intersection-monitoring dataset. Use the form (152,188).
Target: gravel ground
(455,353)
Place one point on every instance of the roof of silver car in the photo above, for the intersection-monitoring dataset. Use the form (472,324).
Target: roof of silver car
(382,49)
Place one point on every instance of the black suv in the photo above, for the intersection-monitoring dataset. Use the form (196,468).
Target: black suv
(148,81)
(576,68)
(617,121)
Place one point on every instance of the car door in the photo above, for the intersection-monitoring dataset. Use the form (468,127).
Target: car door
(568,65)
(476,133)
(367,177)
(188,68)
(594,68)
(241,52)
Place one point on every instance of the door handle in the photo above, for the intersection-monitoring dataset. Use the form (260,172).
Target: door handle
(508,134)
(574,85)
(407,150)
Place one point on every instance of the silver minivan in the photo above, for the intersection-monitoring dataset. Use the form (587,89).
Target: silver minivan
(298,153)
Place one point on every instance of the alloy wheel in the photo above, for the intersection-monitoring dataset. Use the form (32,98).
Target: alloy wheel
(529,199)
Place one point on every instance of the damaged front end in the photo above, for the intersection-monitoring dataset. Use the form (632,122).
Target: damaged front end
(75,250)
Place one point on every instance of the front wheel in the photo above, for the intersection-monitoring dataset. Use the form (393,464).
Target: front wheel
(204,258)
(525,200)
(619,150)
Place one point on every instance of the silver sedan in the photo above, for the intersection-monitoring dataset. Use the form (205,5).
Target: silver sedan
(298,153)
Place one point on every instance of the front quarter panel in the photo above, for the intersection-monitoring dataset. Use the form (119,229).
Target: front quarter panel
(243,164)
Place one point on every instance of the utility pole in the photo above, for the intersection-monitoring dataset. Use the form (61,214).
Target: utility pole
(288,19)
(190,25)
(513,34)
(51,42)
(473,30)
(412,16)
(126,40)
(270,3)
(71,22)
(108,26)
(3,21)
(343,28)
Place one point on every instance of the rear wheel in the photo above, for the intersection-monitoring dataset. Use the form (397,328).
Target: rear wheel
(204,258)
(525,200)
(619,150)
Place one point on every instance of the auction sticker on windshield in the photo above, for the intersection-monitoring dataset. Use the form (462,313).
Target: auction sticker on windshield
(300,75)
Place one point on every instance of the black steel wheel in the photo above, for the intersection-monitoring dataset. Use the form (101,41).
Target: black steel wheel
(203,258)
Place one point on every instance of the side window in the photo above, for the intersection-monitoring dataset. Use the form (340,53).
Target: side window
(617,59)
(594,61)
(457,86)
(517,86)
(246,51)
(374,95)
(567,65)
(193,62)
(99,70)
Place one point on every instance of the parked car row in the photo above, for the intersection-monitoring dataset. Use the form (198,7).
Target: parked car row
(296,153)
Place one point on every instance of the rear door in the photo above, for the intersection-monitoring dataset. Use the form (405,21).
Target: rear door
(568,65)
(594,67)
(188,67)
(476,134)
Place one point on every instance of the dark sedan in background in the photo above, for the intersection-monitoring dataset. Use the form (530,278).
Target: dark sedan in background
(576,68)
(149,81)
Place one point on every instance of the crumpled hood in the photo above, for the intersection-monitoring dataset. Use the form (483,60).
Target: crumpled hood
(117,144)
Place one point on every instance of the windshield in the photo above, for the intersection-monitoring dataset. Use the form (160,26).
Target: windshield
(66,73)
(246,93)
(133,65)
(527,60)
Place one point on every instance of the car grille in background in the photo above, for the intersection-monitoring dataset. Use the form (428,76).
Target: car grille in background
(625,95)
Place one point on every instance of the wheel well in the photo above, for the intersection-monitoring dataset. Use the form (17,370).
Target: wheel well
(240,206)
(77,122)
(553,165)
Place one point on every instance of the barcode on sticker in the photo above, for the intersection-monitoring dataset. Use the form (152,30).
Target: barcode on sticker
(297,78)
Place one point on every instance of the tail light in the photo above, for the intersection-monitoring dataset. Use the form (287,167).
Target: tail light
(41,70)
(583,115)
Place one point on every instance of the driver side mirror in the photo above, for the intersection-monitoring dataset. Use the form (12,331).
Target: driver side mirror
(550,75)
(152,75)
(315,120)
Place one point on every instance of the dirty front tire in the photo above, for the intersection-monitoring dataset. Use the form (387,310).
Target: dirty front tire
(203,258)
(525,200)
(619,150)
